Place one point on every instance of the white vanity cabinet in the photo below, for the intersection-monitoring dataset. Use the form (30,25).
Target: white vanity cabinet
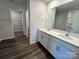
(63,52)
(52,46)
(67,50)
(58,50)
(43,38)
(57,47)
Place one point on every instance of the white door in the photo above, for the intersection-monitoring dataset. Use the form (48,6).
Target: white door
(17,20)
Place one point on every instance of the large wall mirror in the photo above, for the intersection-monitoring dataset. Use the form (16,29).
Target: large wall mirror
(75,21)
(67,14)
(60,21)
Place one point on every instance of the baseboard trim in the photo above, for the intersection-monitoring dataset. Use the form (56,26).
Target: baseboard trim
(6,39)
(32,42)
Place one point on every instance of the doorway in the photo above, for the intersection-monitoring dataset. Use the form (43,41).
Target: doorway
(17,23)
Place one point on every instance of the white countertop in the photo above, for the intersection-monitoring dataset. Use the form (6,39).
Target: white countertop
(61,35)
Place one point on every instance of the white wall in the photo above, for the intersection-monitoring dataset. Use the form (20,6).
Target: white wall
(27,16)
(6,30)
(37,8)
(56,3)
(50,17)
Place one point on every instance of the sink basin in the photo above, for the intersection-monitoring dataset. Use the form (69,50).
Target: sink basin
(62,35)
(66,37)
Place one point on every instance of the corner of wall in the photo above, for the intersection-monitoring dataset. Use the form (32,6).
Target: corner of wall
(32,42)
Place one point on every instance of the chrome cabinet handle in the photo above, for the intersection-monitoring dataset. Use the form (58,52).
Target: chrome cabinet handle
(58,48)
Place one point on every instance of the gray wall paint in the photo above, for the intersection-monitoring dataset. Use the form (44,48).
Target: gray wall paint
(6,30)
(61,20)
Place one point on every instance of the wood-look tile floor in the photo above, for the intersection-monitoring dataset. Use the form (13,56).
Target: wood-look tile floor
(19,48)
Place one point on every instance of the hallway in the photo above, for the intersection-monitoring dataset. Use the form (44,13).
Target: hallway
(19,48)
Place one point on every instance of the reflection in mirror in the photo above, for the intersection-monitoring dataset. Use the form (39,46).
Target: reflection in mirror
(67,17)
(75,21)
(60,20)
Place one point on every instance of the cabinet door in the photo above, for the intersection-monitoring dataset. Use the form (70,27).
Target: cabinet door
(43,38)
(39,36)
(52,48)
(64,53)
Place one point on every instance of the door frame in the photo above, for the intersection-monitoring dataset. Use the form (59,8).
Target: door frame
(10,10)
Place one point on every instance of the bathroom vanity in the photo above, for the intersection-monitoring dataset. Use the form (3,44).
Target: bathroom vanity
(59,46)
(61,36)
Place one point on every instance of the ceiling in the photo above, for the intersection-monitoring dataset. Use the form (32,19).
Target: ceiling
(69,6)
(24,1)
(46,1)
(19,1)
